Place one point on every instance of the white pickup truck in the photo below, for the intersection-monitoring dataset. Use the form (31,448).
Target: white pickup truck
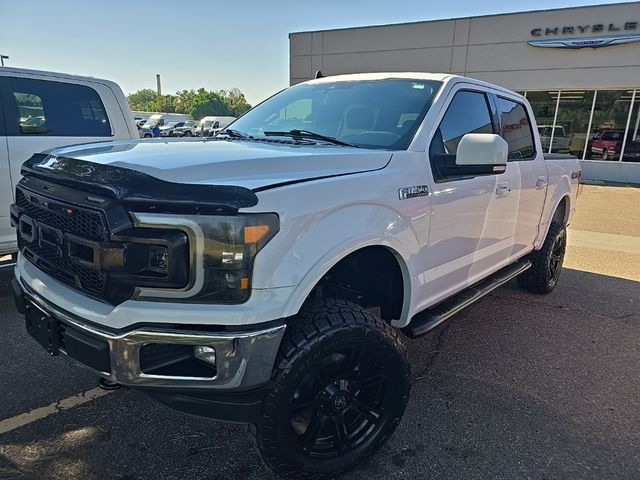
(44,110)
(268,275)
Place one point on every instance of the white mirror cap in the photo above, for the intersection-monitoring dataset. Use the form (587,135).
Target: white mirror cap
(482,149)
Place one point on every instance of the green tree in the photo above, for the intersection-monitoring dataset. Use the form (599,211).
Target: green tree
(236,101)
(142,100)
(198,103)
(206,103)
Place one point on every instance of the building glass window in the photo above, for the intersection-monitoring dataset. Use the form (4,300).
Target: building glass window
(544,109)
(610,116)
(572,122)
(631,151)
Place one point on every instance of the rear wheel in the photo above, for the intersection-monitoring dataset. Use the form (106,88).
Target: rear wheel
(546,263)
(338,391)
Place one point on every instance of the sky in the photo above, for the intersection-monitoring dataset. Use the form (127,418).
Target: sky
(194,43)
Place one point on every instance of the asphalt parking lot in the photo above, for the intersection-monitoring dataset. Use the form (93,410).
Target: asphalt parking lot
(517,386)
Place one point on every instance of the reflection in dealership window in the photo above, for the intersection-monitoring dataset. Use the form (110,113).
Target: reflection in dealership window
(610,117)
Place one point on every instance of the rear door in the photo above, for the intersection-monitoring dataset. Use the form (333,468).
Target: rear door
(528,168)
(473,219)
(44,114)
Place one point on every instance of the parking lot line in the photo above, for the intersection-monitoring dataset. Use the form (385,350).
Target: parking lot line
(23,419)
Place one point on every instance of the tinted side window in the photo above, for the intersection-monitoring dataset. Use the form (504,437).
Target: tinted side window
(467,113)
(516,129)
(611,136)
(42,107)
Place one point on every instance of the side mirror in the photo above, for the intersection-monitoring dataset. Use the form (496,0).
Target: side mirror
(482,153)
(477,154)
(482,149)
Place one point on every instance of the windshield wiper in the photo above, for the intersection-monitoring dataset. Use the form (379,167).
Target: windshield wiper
(310,135)
(233,133)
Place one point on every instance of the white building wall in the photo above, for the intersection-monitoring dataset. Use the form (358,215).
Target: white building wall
(492,48)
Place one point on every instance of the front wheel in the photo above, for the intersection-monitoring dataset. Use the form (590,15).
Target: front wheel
(338,391)
(546,263)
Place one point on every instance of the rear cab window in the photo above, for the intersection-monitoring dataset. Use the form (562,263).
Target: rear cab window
(51,108)
(516,129)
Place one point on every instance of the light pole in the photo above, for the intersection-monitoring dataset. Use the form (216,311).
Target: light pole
(3,58)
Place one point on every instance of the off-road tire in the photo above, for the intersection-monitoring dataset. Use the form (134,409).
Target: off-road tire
(542,277)
(321,328)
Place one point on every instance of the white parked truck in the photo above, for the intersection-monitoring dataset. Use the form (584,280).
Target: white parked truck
(161,119)
(43,110)
(270,275)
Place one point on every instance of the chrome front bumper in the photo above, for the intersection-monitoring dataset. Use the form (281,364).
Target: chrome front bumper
(244,360)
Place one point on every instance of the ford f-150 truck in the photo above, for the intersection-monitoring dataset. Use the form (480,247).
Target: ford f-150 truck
(269,275)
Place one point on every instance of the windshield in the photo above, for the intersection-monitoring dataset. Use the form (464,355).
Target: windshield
(380,114)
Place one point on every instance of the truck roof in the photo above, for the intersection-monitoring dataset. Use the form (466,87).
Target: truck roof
(441,77)
(381,76)
(60,75)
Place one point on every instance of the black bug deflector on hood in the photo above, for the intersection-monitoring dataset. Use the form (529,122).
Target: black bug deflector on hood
(133,187)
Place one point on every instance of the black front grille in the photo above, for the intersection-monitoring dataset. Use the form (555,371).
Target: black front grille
(86,223)
(83,222)
(88,242)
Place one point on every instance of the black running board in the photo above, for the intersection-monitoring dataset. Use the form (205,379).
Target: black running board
(425,321)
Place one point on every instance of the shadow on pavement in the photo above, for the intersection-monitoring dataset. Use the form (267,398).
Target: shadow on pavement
(517,386)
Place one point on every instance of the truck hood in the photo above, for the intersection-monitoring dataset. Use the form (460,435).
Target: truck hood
(249,164)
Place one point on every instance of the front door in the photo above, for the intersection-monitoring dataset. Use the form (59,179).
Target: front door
(473,219)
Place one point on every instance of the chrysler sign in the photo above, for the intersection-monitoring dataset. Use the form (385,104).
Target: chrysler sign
(564,37)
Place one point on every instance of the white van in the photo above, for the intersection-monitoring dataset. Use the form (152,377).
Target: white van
(43,110)
(212,124)
(164,118)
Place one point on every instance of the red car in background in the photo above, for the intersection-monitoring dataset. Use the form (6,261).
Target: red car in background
(608,144)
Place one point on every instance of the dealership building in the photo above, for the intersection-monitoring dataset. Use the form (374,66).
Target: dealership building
(578,67)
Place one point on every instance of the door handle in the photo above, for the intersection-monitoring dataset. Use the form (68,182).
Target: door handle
(541,183)
(502,190)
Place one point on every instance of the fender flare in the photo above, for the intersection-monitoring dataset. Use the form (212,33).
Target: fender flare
(562,192)
(334,256)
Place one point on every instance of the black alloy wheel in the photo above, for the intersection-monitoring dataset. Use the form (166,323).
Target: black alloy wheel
(557,257)
(546,263)
(339,405)
(338,391)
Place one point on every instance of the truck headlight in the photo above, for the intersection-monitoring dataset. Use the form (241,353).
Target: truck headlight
(222,252)
(230,247)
